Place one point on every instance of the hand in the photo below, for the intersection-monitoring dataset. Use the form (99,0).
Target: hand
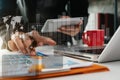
(24,44)
(71,30)
(42,40)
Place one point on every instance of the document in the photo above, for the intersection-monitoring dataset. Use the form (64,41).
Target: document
(17,64)
(52,25)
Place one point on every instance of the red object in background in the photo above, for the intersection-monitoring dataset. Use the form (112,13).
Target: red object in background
(93,37)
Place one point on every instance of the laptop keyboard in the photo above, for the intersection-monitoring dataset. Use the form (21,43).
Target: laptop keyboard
(94,50)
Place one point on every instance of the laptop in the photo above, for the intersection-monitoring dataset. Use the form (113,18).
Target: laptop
(109,52)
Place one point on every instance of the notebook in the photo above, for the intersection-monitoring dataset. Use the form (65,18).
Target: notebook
(110,52)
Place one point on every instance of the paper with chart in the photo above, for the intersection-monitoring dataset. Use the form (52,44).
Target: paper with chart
(22,65)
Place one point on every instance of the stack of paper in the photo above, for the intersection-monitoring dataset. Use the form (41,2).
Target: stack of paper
(20,65)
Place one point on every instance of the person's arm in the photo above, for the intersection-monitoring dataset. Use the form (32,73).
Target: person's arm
(15,38)
(78,8)
(5,31)
(71,30)
(26,42)
(3,41)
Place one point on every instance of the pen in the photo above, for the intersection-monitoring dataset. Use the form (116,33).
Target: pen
(40,54)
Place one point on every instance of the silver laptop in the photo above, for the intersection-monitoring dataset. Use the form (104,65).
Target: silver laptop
(110,52)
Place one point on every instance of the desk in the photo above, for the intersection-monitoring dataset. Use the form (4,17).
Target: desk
(113,74)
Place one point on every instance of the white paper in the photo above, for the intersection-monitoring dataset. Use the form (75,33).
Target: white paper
(23,69)
(52,25)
